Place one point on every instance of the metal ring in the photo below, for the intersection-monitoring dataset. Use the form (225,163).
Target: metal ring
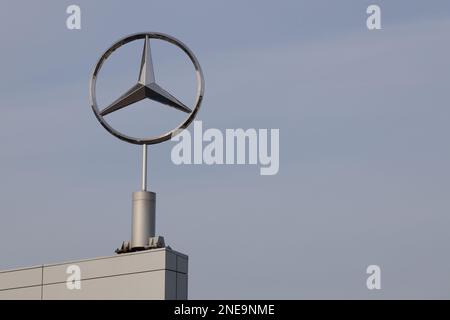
(169,134)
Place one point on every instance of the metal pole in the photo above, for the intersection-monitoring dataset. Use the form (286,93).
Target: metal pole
(144,167)
(144,205)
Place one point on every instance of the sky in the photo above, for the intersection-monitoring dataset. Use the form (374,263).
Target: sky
(363,119)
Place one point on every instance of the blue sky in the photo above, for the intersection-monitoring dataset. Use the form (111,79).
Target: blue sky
(363,118)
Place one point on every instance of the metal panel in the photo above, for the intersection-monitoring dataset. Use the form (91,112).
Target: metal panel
(182,264)
(171,285)
(146,285)
(30,293)
(20,278)
(182,286)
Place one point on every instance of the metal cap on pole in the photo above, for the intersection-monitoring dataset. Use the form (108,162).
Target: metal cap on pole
(143,219)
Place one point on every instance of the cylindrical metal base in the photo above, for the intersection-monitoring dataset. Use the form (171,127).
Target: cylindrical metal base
(143,219)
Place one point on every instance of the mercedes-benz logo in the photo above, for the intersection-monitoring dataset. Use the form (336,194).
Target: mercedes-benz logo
(146,87)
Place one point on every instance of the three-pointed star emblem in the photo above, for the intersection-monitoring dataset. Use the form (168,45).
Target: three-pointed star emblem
(146,87)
